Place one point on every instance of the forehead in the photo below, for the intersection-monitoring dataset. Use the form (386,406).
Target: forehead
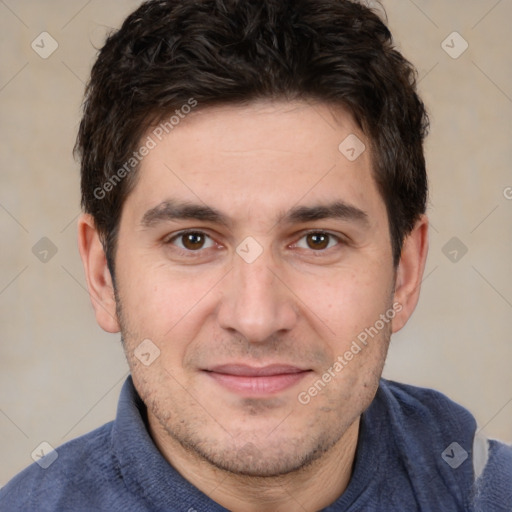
(261,158)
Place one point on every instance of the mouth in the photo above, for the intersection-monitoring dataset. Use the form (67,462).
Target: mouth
(254,381)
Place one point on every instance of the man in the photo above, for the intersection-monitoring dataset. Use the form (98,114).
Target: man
(254,190)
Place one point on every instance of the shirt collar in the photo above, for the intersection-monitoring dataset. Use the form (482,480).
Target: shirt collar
(148,475)
(145,472)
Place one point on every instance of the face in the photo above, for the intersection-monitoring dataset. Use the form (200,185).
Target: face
(255,256)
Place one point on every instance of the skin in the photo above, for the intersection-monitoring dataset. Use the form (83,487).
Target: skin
(302,301)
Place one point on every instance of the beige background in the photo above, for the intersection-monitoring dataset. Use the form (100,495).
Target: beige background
(60,375)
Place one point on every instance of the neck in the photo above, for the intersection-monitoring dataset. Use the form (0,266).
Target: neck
(313,487)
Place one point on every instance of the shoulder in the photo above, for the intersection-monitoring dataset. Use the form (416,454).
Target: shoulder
(432,438)
(66,479)
(439,440)
(426,408)
(493,487)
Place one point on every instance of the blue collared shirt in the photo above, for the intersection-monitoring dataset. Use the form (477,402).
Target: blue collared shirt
(417,451)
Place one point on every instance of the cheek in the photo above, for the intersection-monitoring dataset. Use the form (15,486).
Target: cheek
(157,297)
(351,301)
(169,308)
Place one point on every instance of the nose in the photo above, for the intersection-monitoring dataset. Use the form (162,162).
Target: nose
(256,302)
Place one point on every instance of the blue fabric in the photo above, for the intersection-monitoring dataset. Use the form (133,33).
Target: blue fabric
(399,465)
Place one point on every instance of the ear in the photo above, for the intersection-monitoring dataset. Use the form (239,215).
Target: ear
(410,272)
(99,280)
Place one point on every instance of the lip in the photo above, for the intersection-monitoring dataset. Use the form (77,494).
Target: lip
(256,381)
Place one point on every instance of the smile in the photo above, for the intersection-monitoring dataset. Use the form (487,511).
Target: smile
(254,381)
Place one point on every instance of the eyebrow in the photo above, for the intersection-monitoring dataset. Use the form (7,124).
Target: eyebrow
(335,210)
(172,209)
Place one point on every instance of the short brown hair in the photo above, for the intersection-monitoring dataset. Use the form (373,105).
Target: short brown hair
(168,52)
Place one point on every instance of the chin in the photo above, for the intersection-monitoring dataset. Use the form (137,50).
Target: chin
(260,457)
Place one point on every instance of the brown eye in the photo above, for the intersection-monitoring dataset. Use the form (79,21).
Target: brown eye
(318,240)
(193,241)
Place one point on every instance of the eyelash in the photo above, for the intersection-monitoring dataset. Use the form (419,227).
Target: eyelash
(192,254)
